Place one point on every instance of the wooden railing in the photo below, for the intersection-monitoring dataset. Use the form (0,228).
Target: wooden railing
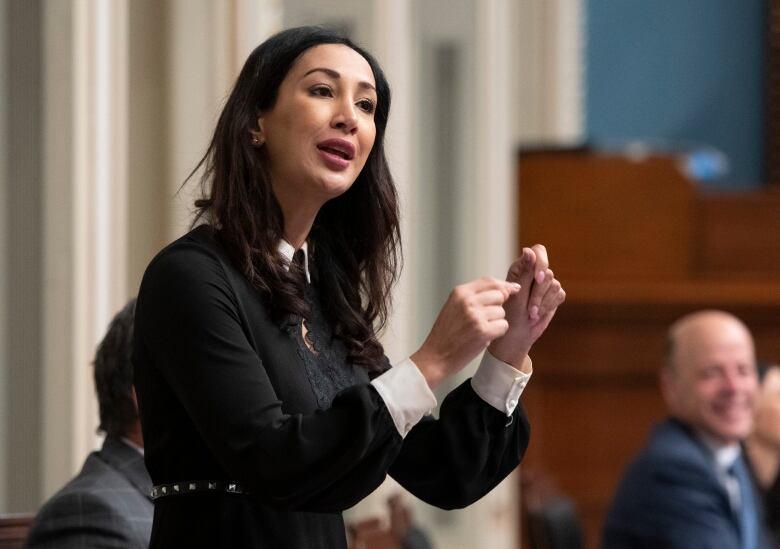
(14,529)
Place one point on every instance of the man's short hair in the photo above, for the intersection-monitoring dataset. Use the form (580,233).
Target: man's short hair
(114,375)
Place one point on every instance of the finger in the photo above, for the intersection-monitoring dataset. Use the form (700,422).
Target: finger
(542,262)
(490,297)
(544,321)
(522,269)
(522,272)
(553,298)
(489,283)
(537,293)
(496,328)
(494,312)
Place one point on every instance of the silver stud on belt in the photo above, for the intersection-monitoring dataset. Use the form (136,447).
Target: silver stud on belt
(197,486)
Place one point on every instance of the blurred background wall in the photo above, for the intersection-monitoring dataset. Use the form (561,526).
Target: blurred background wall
(107,105)
(682,74)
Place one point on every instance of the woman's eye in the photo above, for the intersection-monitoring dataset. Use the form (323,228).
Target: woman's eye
(322,91)
(367,105)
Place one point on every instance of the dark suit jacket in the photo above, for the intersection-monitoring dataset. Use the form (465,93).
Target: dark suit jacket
(106,505)
(670,498)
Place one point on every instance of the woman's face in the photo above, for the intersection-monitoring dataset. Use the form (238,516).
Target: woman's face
(767,424)
(321,129)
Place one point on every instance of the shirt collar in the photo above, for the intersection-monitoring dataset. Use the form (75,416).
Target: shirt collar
(133,445)
(287,251)
(724,454)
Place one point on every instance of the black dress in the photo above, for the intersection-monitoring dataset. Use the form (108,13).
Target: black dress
(227,394)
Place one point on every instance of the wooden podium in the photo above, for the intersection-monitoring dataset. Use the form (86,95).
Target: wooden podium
(636,245)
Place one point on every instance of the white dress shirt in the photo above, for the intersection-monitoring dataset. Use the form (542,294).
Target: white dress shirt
(724,456)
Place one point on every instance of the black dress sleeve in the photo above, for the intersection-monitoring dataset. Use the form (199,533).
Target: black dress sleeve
(189,326)
(453,461)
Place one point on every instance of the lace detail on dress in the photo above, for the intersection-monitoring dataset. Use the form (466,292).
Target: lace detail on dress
(326,366)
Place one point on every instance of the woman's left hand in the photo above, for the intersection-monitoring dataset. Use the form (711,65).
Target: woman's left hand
(529,311)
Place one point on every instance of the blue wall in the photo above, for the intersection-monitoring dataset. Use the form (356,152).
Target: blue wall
(679,70)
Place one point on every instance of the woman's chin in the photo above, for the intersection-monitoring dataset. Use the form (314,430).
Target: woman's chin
(332,187)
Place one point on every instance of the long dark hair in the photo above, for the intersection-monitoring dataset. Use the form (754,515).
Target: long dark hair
(355,239)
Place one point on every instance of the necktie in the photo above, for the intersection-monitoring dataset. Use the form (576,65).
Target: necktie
(746,511)
(298,268)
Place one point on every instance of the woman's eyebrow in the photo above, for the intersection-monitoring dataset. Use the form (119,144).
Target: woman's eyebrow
(336,75)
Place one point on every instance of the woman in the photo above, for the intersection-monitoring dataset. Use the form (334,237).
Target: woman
(266,401)
(763,446)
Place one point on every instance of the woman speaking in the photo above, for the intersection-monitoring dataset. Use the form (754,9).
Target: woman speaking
(266,401)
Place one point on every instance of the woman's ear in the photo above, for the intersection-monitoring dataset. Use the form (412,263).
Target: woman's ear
(258,138)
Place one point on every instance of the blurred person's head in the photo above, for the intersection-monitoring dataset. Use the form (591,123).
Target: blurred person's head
(763,444)
(709,381)
(767,420)
(114,378)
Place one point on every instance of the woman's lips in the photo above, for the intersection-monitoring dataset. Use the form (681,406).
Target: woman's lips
(333,160)
(338,146)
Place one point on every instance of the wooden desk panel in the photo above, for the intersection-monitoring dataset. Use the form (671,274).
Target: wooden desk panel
(738,235)
(607,217)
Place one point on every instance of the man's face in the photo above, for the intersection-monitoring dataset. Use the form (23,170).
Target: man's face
(712,383)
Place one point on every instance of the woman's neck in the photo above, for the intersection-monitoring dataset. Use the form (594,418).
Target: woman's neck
(296,234)
(765,460)
(299,216)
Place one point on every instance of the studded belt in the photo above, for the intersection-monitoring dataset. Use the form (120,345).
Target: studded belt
(197,486)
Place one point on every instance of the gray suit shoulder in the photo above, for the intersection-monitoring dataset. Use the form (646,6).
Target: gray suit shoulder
(105,505)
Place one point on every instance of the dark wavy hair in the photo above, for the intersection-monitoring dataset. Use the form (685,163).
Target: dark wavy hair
(114,375)
(355,240)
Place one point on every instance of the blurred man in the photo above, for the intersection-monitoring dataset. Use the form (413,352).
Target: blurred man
(108,503)
(763,446)
(690,487)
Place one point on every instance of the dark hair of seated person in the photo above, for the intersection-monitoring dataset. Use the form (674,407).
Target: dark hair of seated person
(114,375)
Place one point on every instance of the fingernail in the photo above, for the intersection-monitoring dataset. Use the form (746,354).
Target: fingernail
(540,277)
(534,312)
(516,287)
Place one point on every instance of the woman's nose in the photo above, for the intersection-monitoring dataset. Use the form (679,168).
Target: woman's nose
(345,118)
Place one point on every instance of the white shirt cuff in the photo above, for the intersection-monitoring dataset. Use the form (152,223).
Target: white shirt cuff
(406,395)
(499,384)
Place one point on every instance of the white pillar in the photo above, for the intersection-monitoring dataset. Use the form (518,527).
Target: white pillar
(548,46)
(493,221)
(208,44)
(85,240)
(253,21)
(393,42)
(568,58)
(193,100)
(487,221)
(490,214)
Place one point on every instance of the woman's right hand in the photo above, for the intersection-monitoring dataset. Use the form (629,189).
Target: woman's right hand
(471,318)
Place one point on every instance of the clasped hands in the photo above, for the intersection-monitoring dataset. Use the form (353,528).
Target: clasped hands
(506,315)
